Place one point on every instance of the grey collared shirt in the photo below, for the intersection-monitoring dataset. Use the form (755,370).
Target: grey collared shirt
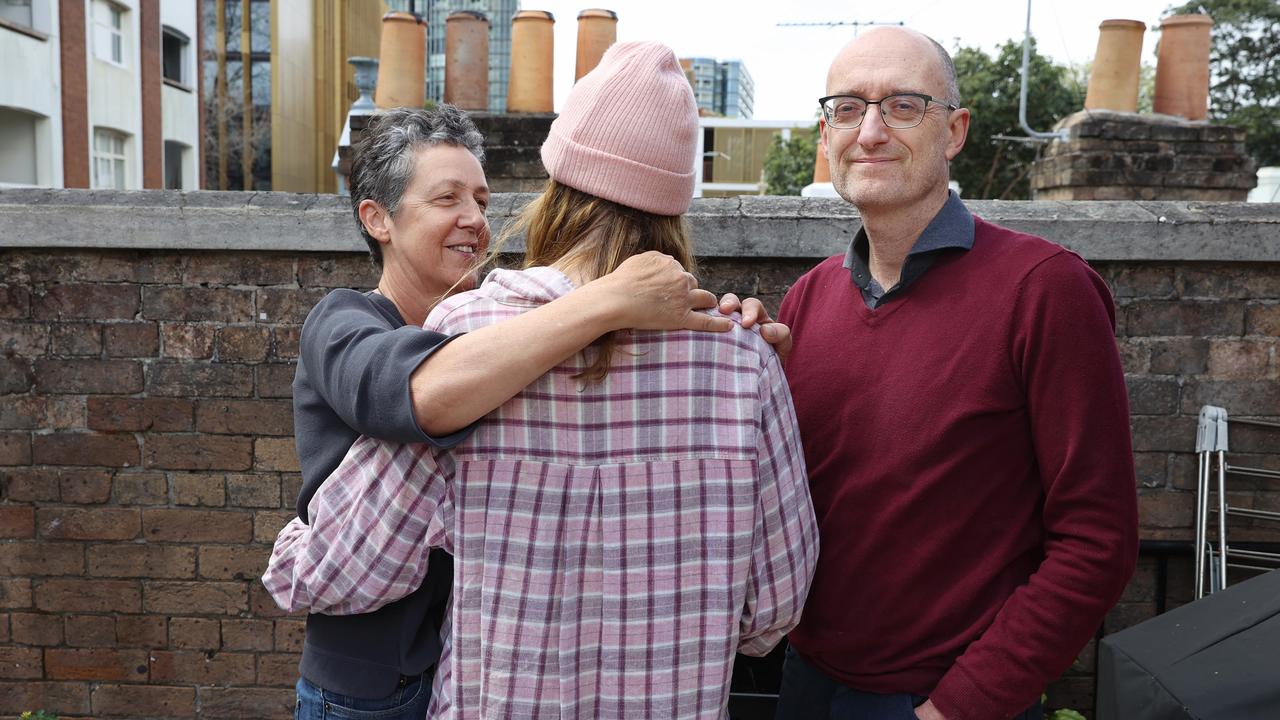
(951,229)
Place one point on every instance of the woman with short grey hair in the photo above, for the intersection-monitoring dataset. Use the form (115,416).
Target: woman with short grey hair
(365,367)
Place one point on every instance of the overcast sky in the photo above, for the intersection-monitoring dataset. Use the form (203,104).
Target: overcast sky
(789,64)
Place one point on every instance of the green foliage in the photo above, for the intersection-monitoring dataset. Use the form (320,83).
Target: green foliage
(1245,70)
(788,164)
(1065,715)
(37,715)
(989,87)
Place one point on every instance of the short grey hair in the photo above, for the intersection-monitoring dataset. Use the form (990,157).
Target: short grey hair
(383,163)
(948,73)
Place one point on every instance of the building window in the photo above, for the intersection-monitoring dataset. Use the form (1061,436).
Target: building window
(18,151)
(108,32)
(108,159)
(17,12)
(175,56)
(173,152)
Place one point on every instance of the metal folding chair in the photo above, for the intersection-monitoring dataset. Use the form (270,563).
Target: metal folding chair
(1212,449)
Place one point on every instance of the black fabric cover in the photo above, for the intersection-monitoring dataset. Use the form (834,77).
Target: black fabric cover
(1214,659)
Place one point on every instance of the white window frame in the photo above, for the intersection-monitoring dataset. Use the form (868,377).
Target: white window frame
(109,32)
(110,163)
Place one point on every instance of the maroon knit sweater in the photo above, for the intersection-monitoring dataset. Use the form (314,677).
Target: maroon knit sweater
(971,468)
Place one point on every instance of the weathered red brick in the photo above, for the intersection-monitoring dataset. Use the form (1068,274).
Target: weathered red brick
(17,521)
(15,448)
(284,342)
(104,523)
(24,339)
(30,484)
(1240,359)
(237,703)
(112,266)
(245,417)
(275,454)
(22,412)
(75,339)
(253,635)
(16,375)
(150,701)
(36,628)
(146,560)
(1240,397)
(208,490)
(1166,509)
(234,562)
(195,598)
(290,635)
(140,488)
(140,414)
(198,452)
(275,380)
(20,663)
(106,377)
(195,634)
(197,304)
(61,698)
(260,490)
(200,526)
(96,595)
(91,631)
(37,559)
(68,448)
(86,302)
(268,523)
(192,379)
(131,339)
(288,305)
(243,343)
(1262,319)
(1170,317)
(277,670)
(86,487)
(15,594)
(15,302)
(345,271)
(186,340)
(66,412)
(202,668)
(232,269)
(146,631)
(100,664)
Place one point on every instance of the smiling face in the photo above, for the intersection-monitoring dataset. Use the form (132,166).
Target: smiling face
(439,233)
(873,166)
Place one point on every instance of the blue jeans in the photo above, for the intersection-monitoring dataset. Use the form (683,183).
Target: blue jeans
(807,694)
(408,702)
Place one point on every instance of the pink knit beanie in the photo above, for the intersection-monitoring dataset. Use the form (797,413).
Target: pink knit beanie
(629,131)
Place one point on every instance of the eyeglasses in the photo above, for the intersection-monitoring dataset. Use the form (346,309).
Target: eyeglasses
(845,112)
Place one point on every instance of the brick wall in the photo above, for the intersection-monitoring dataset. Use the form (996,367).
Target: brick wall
(146,457)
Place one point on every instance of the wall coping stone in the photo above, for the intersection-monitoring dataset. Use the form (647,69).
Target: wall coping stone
(747,226)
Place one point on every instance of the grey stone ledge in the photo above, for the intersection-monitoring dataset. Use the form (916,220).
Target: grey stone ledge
(749,226)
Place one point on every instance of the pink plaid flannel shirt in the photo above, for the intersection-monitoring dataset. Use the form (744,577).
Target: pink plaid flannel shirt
(615,544)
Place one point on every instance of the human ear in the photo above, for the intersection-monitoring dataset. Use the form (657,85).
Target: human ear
(376,220)
(958,131)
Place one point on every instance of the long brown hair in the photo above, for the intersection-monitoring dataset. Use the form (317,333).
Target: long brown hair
(596,235)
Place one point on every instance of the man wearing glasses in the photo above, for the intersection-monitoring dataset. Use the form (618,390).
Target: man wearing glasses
(965,424)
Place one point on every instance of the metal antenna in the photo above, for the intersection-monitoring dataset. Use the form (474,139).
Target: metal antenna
(857,24)
(1022,95)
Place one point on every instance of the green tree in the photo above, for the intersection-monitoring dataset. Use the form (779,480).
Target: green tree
(788,164)
(989,86)
(1244,85)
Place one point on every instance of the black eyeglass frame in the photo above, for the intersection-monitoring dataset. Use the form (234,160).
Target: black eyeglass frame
(822,103)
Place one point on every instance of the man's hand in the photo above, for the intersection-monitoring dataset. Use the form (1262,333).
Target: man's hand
(928,712)
(653,292)
(753,312)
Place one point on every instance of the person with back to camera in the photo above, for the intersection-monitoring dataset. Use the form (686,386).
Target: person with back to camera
(366,367)
(631,520)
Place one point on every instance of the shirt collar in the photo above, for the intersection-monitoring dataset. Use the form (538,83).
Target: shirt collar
(533,286)
(952,227)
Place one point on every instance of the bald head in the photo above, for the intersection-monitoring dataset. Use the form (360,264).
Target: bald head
(902,44)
